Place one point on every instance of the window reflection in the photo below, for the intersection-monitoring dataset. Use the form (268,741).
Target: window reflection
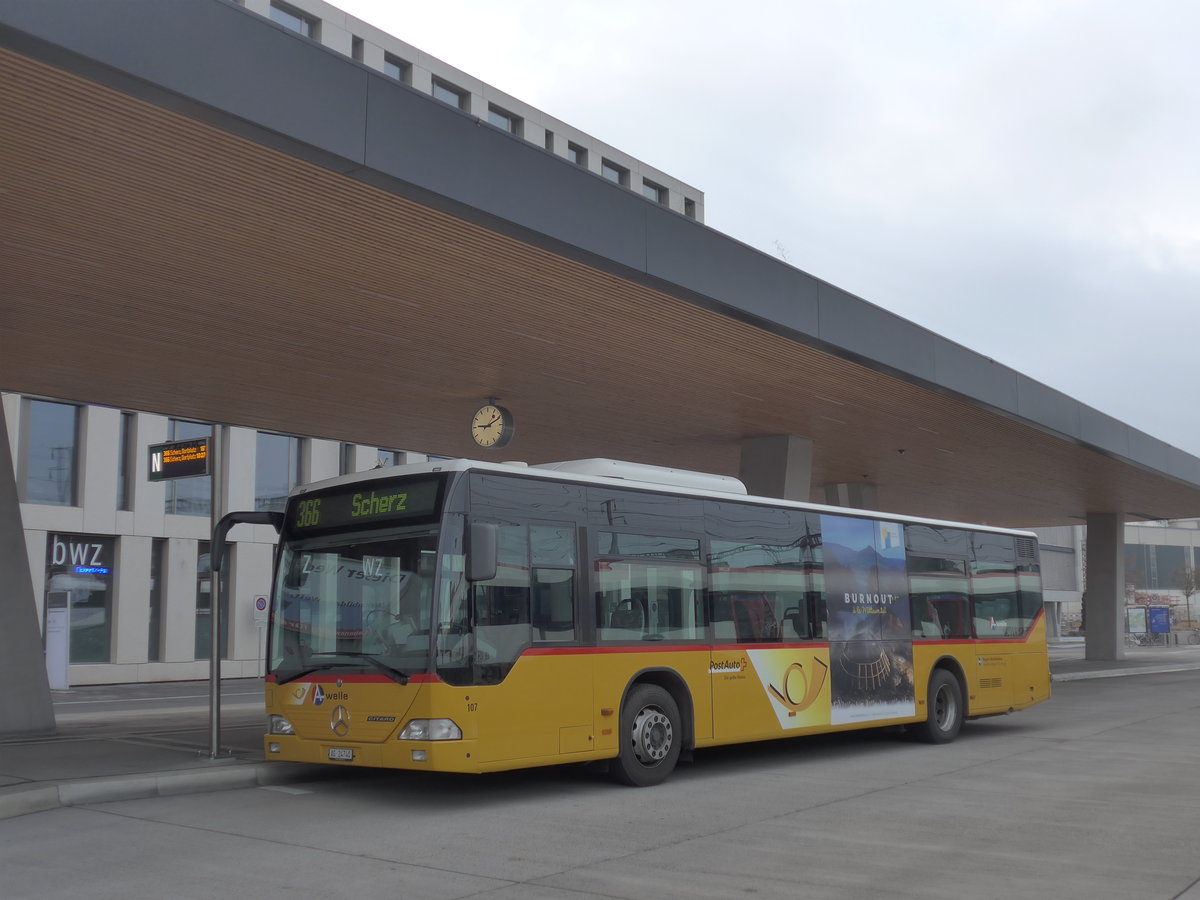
(276,470)
(52,435)
(189,496)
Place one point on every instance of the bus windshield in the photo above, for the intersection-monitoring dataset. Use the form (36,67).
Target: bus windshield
(355,606)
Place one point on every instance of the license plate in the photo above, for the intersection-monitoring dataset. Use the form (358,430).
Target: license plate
(345,754)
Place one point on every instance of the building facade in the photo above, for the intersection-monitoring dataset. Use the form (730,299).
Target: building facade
(342,33)
(128,558)
(1161,564)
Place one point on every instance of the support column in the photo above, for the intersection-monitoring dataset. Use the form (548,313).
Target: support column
(855,495)
(778,466)
(25,707)
(1105,589)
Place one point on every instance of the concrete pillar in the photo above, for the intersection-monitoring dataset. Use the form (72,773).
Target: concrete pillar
(322,460)
(855,495)
(1105,589)
(25,707)
(131,600)
(778,466)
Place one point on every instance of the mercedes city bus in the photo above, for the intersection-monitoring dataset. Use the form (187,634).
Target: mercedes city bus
(462,616)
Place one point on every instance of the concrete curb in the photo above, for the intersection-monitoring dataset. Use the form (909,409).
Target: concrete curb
(1118,673)
(22,799)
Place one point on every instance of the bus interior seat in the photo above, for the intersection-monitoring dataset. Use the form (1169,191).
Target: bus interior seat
(628,615)
(754,618)
(794,619)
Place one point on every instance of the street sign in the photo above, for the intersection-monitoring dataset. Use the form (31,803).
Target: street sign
(178,459)
(260,610)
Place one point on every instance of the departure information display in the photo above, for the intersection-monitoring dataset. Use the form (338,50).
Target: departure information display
(364,505)
(178,459)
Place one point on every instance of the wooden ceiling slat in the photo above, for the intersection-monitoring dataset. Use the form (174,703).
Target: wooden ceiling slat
(154,262)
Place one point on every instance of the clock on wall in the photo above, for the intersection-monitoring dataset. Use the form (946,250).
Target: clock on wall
(492,426)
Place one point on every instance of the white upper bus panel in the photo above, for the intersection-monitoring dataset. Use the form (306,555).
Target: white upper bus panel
(628,471)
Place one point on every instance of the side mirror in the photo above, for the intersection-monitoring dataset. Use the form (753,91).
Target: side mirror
(221,531)
(483,543)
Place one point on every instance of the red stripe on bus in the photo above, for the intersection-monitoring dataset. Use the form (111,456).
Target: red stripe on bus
(333,678)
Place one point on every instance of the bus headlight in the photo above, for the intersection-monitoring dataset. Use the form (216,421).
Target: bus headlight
(431,730)
(279,725)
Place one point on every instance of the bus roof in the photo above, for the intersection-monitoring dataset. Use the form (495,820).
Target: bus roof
(609,472)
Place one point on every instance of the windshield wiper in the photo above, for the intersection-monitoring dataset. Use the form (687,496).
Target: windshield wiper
(392,673)
(300,673)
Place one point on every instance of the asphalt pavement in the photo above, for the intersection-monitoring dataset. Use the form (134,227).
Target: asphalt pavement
(133,741)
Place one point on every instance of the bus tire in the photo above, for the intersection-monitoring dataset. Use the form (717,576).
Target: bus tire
(651,735)
(945,709)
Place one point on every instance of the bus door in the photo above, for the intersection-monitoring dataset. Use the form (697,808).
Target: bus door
(768,673)
(534,687)
(996,622)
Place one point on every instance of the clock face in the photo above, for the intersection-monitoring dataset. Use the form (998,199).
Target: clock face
(492,426)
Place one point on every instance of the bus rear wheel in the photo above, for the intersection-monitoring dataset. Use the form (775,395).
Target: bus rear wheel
(945,709)
(650,737)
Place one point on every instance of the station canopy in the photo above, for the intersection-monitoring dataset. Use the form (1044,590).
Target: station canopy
(176,245)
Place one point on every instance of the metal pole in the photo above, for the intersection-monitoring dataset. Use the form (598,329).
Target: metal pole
(214,595)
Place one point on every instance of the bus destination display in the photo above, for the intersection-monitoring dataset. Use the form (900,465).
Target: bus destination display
(364,505)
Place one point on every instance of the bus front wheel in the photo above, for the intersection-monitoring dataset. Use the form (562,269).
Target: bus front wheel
(945,709)
(650,737)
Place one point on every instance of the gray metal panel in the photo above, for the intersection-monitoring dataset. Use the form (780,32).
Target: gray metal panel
(967,372)
(871,333)
(1149,451)
(683,252)
(1104,432)
(1048,407)
(445,153)
(1182,465)
(213,52)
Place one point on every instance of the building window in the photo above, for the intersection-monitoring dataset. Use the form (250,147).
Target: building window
(346,464)
(79,577)
(386,458)
(448,93)
(397,68)
(549,140)
(51,453)
(276,470)
(294,20)
(189,496)
(154,644)
(655,192)
(577,154)
(504,120)
(689,207)
(356,48)
(614,173)
(125,462)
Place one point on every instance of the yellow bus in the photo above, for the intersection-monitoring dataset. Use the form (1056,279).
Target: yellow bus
(462,616)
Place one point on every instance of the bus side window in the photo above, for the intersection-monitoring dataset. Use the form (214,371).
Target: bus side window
(938,592)
(553,604)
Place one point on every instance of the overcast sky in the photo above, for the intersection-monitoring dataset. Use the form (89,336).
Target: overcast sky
(1022,177)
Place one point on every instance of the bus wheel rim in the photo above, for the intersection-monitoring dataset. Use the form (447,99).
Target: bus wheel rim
(652,735)
(944,710)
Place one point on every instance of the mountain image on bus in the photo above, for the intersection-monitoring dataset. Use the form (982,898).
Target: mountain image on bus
(472,617)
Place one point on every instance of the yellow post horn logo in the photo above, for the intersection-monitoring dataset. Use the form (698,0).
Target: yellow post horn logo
(812,686)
